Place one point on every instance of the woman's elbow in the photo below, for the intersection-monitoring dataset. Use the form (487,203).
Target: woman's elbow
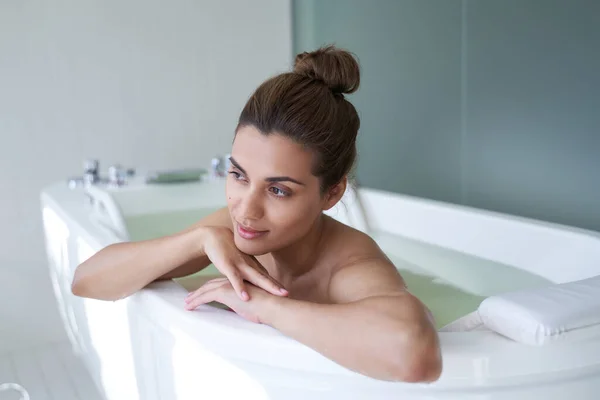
(84,286)
(78,283)
(80,287)
(421,360)
(76,288)
(425,370)
(420,347)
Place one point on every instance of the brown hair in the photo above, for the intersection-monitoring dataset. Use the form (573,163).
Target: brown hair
(308,106)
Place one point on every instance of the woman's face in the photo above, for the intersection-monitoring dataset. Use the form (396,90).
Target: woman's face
(273,197)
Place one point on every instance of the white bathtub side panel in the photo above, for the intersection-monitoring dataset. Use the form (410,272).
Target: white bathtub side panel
(504,358)
(219,355)
(558,253)
(98,330)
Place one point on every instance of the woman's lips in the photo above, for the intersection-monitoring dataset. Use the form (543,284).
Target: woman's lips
(248,233)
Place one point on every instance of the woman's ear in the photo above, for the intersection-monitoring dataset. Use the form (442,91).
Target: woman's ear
(335,194)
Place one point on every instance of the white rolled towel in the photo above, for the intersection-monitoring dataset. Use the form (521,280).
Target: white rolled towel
(568,311)
(468,323)
(562,312)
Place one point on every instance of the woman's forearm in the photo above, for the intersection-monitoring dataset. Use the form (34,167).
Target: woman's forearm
(121,269)
(384,337)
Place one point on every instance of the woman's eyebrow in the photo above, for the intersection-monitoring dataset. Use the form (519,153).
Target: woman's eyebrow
(235,164)
(272,179)
(283,179)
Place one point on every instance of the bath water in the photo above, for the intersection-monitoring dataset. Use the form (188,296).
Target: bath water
(151,226)
(450,283)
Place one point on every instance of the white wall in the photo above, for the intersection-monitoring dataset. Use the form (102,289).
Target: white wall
(147,83)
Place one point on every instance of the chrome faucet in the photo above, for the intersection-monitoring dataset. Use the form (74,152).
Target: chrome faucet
(117,175)
(91,175)
(216,168)
(91,172)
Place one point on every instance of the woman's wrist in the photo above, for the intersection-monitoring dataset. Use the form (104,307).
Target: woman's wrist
(272,307)
(195,241)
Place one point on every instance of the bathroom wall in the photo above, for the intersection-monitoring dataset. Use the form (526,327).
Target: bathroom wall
(149,84)
(486,103)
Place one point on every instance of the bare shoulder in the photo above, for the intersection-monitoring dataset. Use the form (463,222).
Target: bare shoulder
(361,269)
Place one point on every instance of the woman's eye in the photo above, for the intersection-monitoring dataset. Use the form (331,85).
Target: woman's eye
(236,175)
(279,192)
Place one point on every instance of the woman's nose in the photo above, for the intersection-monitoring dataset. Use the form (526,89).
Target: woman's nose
(251,207)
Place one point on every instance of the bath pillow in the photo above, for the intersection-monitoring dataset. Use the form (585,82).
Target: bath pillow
(468,323)
(562,312)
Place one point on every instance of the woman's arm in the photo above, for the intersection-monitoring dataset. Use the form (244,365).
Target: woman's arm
(375,327)
(121,269)
(385,337)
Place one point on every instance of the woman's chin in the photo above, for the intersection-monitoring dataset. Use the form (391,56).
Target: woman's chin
(250,247)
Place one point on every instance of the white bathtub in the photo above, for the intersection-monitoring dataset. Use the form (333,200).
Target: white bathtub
(149,347)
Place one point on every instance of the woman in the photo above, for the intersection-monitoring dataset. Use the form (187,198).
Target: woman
(285,263)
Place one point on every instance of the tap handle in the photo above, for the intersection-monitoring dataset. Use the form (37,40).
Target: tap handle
(91,171)
(91,166)
(117,175)
(216,167)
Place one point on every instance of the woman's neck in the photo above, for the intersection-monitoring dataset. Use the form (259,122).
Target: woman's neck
(300,257)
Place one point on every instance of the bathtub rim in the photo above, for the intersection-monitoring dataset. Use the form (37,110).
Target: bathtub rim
(471,359)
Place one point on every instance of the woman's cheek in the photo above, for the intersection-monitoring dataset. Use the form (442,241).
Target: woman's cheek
(296,215)
(232,192)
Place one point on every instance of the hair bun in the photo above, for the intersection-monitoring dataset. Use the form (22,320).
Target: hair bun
(336,68)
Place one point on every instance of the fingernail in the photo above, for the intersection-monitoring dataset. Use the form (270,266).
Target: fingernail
(283,291)
(245,296)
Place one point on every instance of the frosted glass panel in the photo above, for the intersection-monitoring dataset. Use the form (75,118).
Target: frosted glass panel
(487,103)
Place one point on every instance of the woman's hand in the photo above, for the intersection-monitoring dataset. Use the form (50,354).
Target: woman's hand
(219,247)
(221,291)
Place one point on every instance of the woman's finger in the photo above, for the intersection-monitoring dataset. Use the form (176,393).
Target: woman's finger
(205,287)
(238,283)
(203,298)
(264,281)
(254,263)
